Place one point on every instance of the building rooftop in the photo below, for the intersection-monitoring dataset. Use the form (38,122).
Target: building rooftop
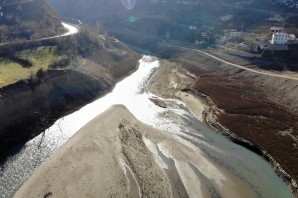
(292,36)
(280,34)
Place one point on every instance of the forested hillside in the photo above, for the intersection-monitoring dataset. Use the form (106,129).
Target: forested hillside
(27,19)
(171,20)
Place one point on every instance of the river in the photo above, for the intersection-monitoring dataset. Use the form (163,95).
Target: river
(251,169)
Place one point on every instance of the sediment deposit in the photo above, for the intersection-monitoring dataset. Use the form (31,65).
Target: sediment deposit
(115,155)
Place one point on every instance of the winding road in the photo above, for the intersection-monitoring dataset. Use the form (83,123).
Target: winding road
(74,30)
(266,73)
(71,30)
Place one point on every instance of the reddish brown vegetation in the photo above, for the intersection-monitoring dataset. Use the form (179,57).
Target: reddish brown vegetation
(249,114)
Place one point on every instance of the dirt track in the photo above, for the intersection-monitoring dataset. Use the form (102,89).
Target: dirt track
(262,72)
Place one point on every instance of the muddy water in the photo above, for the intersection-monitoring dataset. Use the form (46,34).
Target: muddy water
(234,161)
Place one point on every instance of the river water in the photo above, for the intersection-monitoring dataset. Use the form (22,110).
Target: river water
(251,169)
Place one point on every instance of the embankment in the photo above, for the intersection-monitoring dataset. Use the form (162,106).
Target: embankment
(31,105)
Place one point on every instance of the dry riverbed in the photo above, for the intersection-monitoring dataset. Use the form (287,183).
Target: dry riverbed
(115,155)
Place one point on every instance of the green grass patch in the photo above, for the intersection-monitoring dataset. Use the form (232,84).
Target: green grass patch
(41,58)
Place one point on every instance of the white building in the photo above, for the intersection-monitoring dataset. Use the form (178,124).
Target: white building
(232,34)
(192,27)
(280,38)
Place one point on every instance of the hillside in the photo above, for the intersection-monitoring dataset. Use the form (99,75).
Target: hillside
(28,19)
(52,76)
(170,20)
(55,85)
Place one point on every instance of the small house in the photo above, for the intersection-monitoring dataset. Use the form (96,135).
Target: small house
(231,33)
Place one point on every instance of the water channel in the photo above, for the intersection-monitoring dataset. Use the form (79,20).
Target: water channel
(250,168)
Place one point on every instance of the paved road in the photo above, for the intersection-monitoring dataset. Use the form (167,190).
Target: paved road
(262,72)
(6,3)
(71,30)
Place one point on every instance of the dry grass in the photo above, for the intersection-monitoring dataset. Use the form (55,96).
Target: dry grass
(252,116)
(251,38)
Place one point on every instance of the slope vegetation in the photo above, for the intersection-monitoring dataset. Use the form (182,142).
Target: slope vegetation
(24,20)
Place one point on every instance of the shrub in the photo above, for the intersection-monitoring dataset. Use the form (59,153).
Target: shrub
(40,73)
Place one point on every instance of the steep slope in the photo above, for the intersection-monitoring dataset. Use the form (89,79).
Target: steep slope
(62,88)
(27,19)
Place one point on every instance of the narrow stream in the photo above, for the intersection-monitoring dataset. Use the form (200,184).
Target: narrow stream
(251,169)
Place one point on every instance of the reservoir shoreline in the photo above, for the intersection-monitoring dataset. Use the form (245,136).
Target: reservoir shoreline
(59,93)
(209,113)
(166,152)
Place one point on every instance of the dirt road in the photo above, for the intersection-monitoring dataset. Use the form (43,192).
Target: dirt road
(262,72)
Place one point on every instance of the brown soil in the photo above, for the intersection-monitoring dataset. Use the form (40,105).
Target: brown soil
(256,111)
(246,112)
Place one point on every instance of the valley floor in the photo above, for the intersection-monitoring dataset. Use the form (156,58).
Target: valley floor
(115,155)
